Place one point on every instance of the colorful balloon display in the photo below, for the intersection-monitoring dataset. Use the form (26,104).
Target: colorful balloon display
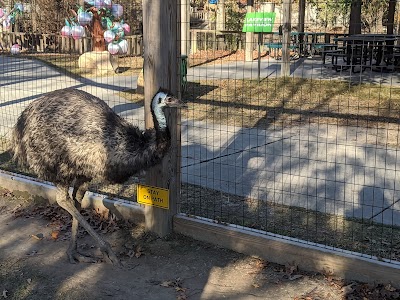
(114,27)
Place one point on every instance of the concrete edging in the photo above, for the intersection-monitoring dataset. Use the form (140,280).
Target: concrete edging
(284,250)
(121,208)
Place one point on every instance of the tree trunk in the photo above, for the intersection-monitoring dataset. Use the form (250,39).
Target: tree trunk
(391,13)
(355,17)
(98,34)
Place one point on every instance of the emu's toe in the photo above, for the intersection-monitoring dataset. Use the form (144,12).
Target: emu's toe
(74,257)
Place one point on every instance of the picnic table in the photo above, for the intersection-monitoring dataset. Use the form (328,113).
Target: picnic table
(365,51)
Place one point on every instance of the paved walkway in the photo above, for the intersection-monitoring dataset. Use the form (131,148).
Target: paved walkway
(329,168)
(303,68)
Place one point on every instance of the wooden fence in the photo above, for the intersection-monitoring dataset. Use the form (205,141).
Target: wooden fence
(55,43)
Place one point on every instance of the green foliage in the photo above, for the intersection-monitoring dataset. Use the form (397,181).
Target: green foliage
(332,12)
(372,12)
(234,16)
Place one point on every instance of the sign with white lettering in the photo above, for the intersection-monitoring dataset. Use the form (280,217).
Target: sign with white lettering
(154,196)
(259,22)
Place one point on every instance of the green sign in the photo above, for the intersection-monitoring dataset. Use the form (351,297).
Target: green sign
(259,22)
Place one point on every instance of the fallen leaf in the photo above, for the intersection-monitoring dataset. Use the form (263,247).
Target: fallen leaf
(348,289)
(29,280)
(4,295)
(55,234)
(390,288)
(38,236)
(167,283)
(138,252)
(131,253)
(180,289)
(255,285)
(290,268)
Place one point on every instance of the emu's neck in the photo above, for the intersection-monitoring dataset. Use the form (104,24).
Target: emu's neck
(160,122)
(163,136)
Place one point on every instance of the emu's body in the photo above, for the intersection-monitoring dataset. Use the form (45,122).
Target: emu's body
(70,137)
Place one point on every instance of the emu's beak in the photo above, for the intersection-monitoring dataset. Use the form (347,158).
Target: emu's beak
(174,102)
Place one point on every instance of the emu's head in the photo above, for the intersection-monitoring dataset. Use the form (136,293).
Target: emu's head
(164,99)
(161,100)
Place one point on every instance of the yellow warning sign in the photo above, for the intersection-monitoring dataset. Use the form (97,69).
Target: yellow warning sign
(154,196)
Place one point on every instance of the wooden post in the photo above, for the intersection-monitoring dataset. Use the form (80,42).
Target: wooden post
(193,41)
(185,27)
(161,53)
(286,29)
(300,25)
(249,35)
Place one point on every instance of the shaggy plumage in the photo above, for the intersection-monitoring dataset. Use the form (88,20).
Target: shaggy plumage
(70,137)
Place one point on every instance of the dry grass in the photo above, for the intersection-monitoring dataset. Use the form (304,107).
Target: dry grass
(352,234)
(248,103)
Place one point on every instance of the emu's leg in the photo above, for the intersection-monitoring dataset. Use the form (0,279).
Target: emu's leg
(80,187)
(67,203)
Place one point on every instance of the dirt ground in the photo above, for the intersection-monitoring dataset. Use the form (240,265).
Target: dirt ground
(33,264)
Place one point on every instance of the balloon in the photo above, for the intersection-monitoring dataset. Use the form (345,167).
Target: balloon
(99,3)
(66,31)
(7,24)
(126,28)
(78,32)
(84,18)
(19,6)
(1,12)
(15,49)
(117,10)
(113,48)
(123,47)
(117,26)
(109,36)
(108,3)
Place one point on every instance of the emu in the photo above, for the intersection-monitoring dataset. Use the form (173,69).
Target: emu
(70,137)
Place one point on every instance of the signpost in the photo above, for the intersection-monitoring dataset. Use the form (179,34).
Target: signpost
(259,22)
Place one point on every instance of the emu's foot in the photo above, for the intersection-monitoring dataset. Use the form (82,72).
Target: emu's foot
(74,256)
(106,249)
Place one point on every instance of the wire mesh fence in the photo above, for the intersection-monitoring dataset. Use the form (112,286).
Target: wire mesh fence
(311,156)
